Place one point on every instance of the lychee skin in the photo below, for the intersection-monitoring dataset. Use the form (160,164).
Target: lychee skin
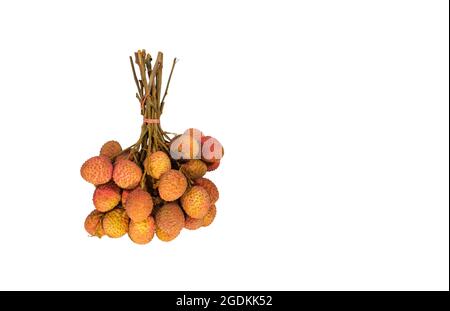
(157,164)
(194,169)
(111,149)
(196,202)
(106,197)
(164,236)
(213,166)
(172,185)
(193,223)
(125,194)
(115,223)
(210,187)
(170,218)
(209,218)
(97,170)
(93,224)
(139,205)
(127,174)
(142,232)
(212,149)
(124,156)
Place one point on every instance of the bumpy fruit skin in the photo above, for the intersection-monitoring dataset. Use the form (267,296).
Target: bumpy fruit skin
(185,147)
(172,185)
(196,202)
(164,236)
(97,170)
(127,174)
(193,223)
(115,223)
(194,169)
(170,219)
(157,164)
(213,166)
(208,219)
(106,197)
(142,232)
(139,205)
(123,156)
(125,194)
(111,149)
(93,224)
(210,187)
(212,149)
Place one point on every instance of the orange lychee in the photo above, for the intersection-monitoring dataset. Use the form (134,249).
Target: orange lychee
(142,232)
(115,223)
(209,217)
(157,164)
(111,149)
(210,187)
(97,170)
(172,185)
(170,218)
(106,197)
(93,224)
(196,202)
(127,174)
(139,205)
(194,168)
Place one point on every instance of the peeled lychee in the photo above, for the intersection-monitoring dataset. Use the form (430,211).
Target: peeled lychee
(212,166)
(170,218)
(142,232)
(210,187)
(185,147)
(157,164)
(212,149)
(97,170)
(194,169)
(193,223)
(196,202)
(115,223)
(111,149)
(164,236)
(172,185)
(106,197)
(93,224)
(139,205)
(127,174)
(208,219)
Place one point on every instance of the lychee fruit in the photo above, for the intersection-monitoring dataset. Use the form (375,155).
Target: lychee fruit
(106,197)
(210,187)
(139,205)
(172,185)
(115,223)
(194,169)
(196,202)
(93,224)
(164,236)
(127,174)
(111,149)
(97,170)
(209,218)
(185,147)
(123,156)
(212,166)
(212,149)
(142,232)
(170,218)
(193,223)
(125,194)
(157,164)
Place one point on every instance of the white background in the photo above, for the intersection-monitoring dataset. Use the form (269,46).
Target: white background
(334,118)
